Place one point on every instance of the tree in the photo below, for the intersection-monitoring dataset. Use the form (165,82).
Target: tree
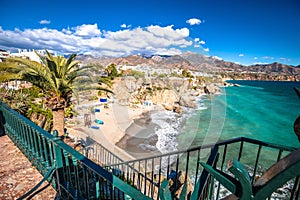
(112,71)
(55,76)
(105,86)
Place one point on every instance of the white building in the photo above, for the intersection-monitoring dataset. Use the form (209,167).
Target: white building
(30,54)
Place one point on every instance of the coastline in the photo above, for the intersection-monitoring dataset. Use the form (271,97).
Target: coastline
(124,127)
(140,139)
(139,130)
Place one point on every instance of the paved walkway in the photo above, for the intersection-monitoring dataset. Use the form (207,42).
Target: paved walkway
(17,175)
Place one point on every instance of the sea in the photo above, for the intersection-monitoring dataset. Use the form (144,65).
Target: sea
(262,110)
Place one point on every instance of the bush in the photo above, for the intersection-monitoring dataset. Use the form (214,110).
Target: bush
(136,74)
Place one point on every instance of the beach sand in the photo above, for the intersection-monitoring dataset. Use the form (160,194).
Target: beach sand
(140,138)
(123,130)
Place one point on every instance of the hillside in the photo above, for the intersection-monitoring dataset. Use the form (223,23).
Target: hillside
(194,62)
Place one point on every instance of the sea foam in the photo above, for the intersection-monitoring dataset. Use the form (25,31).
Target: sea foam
(169,125)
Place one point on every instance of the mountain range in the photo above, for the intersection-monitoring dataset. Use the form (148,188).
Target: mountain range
(192,61)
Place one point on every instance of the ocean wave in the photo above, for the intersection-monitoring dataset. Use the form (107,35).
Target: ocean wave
(169,125)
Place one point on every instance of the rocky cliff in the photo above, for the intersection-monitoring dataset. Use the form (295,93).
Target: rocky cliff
(170,93)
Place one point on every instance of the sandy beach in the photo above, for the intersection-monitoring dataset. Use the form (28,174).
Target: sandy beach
(140,138)
(122,130)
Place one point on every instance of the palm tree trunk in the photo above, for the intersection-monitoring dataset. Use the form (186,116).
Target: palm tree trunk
(59,120)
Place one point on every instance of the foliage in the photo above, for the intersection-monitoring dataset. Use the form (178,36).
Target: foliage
(56,77)
(111,71)
(174,74)
(186,74)
(38,109)
(25,102)
(34,92)
(17,100)
(155,74)
(162,75)
(92,97)
(69,111)
(136,74)
(105,86)
(157,88)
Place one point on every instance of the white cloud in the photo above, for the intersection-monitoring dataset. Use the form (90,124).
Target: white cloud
(196,45)
(168,32)
(285,59)
(260,63)
(206,49)
(268,57)
(44,21)
(87,38)
(125,26)
(87,30)
(199,41)
(217,57)
(183,31)
(241,55)
(255,58)
(193,21)
(67,31)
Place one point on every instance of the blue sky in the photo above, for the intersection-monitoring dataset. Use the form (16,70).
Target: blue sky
(242,31)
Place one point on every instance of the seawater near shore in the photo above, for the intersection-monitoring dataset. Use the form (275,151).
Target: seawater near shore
(252,110)
(156,131)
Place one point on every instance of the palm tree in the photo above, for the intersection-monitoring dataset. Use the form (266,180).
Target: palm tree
(55,76)
(105,86)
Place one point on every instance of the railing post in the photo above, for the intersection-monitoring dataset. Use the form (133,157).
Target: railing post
(58,160)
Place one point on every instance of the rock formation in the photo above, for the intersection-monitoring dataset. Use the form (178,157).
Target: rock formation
(171,93)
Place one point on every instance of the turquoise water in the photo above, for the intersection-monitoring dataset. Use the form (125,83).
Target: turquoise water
(257,109)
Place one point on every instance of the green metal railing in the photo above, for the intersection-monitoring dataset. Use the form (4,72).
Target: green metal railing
(76,176)
(146,174)
(79,177)
(100,154)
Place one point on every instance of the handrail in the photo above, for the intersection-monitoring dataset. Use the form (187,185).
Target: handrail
(43,148)
(117,182)
(179,157)
(86,150)
(206,146)
(77,176)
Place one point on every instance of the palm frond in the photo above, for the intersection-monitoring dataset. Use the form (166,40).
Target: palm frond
(49,55)
(105,81)
(7,76)
(105,90)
